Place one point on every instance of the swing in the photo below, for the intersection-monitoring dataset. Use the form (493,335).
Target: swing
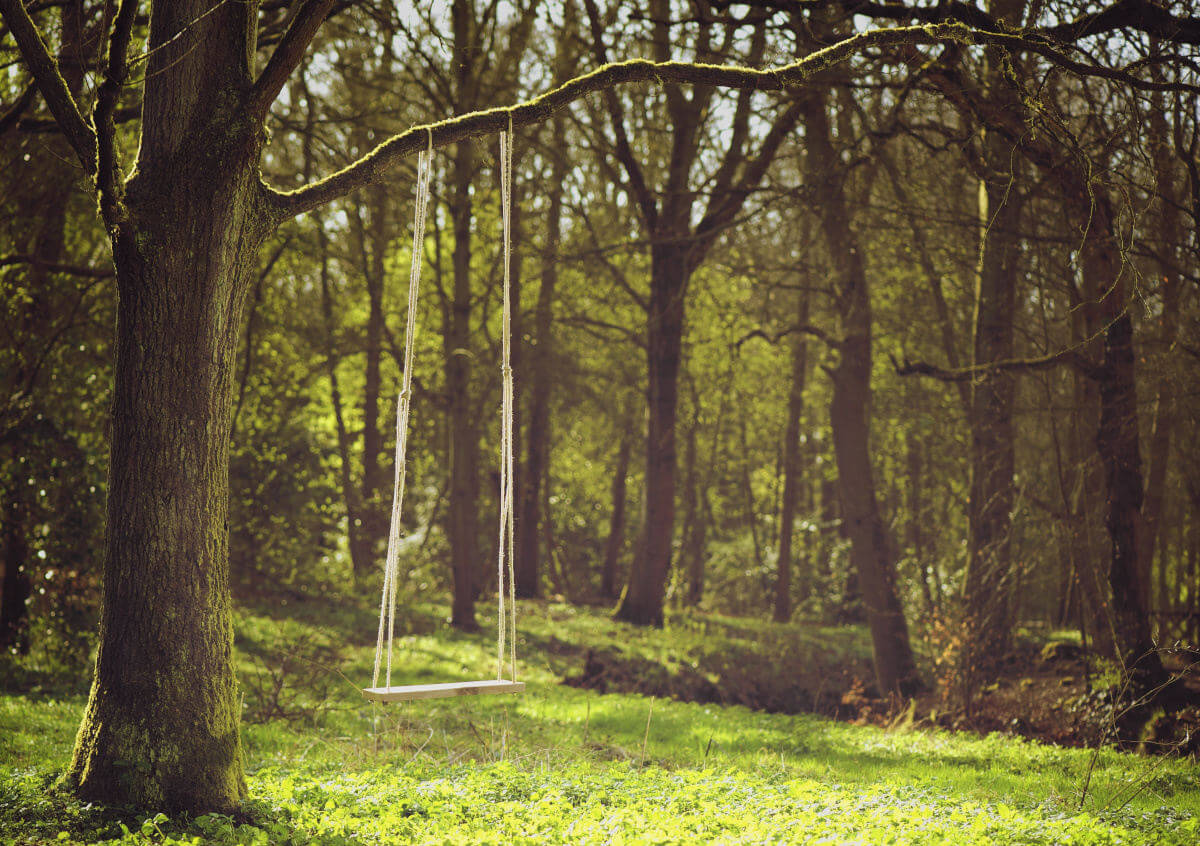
(506,625)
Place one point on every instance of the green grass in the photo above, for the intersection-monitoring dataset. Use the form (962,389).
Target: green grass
(561,764)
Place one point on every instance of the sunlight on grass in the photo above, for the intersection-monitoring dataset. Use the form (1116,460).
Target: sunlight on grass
(561,764)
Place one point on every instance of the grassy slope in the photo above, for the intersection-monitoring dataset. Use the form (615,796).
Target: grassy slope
(566,765)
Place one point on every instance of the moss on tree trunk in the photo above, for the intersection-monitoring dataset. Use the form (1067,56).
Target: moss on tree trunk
(161,725)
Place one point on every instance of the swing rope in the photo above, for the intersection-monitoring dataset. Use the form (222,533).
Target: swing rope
(506,624)
(391,570)
(505,547)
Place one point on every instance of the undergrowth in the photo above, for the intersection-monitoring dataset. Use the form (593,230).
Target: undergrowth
(563,764)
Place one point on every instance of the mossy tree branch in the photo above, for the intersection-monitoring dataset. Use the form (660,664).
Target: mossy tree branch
(374,164)
(490,121)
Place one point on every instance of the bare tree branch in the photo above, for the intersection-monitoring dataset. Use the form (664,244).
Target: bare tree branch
(50,82)
(109,178)
(1140,15)
(637,180)
(10,116)
(288,54)
(1070,356)
(795,329)
(53,267)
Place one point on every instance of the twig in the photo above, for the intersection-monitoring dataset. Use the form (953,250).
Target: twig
(646,736)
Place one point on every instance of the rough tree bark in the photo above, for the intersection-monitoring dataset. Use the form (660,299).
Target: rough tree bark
(161,725)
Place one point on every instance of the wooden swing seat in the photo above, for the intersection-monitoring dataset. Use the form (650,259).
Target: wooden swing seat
(408,692)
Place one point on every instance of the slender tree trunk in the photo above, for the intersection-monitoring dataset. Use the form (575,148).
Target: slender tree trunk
(360,548)
(695,591)
(988,586)
(916,517)
(1087,494)
(988,583)
(616,523)
(870,549)
(463,506)
(1168,324)
(642,602)
(1117,442)
(791,463)
(374,236)
(17,586)
(529,517)
(463,509)
(695,521)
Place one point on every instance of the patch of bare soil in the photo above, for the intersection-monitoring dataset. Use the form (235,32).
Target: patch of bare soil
(1048,694)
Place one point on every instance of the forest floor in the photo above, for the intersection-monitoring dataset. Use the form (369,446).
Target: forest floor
(590,761)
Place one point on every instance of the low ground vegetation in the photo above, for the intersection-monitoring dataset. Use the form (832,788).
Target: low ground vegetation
(594,763)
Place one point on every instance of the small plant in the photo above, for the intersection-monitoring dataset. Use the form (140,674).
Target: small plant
(293,683)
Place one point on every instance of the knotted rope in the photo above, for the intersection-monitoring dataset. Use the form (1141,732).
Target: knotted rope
(505,547)
(391,569)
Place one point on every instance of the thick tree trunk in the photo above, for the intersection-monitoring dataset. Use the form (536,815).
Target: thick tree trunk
(791,464)
(870,549)
(642,602)
(616,523)
(161,724)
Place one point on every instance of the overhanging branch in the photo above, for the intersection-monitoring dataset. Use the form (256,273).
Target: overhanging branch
(374,164)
